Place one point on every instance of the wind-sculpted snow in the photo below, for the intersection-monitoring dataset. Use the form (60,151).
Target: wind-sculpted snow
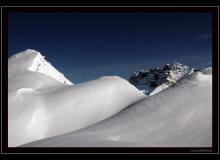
(32,60)
(180,116)
(43,103)
(40,113)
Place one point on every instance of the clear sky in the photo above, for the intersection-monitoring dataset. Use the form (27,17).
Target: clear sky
(85,46)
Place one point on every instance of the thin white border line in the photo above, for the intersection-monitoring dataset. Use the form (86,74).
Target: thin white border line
(1,80)
(218,79)
(117,7)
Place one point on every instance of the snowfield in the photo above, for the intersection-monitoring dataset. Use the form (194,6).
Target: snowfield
(180,116)
(45,109)
(41,106)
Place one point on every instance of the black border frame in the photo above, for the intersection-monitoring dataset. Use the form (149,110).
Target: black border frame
(119,9)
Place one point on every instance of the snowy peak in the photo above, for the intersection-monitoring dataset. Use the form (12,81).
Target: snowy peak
(42,66)
(33,61)
(27,52)
(155,80)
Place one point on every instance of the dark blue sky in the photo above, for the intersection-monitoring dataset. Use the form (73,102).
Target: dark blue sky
(85,46)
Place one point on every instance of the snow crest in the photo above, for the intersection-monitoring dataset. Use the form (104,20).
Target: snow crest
(35,115)
(32,60)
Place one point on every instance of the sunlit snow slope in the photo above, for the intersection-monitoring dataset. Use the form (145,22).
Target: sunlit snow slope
(32,60)
(41,104)
(180,116)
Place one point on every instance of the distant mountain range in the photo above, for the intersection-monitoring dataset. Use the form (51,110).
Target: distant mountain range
(152,81)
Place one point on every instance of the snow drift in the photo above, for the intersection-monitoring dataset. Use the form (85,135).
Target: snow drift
(43,103)
(180,116)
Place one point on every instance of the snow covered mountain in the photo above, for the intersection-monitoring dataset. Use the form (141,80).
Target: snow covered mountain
(155,80)
(45,109)
(32,60)
(180,116)
(42,105)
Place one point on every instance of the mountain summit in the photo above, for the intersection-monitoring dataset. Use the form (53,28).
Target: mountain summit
(155,80)
(32,60)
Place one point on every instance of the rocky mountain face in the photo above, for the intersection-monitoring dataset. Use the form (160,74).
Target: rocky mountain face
(158,78)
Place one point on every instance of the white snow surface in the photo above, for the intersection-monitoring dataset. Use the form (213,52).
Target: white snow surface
(180,116)
(32,60)
(40,106)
